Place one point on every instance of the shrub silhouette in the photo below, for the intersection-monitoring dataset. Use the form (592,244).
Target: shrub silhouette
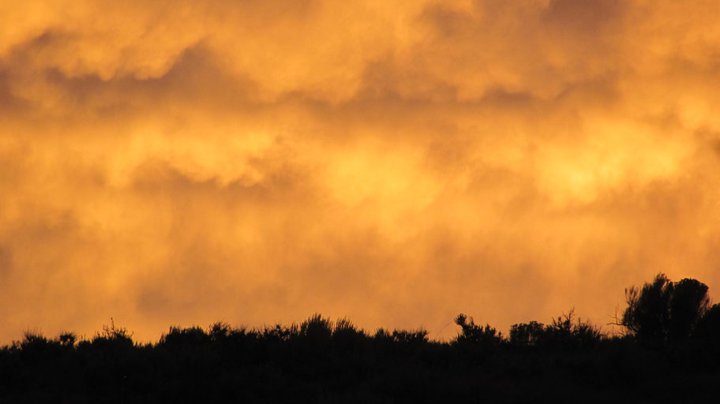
(406,337)
(401,337)
(316,328)
(67,339)
(663,311)
(220,332)
(346,336)
(564,332)
(178,337)
(471,333)
(526,334)
(113,338)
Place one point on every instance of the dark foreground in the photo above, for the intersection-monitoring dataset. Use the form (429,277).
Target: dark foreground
(320,364)
(670,355)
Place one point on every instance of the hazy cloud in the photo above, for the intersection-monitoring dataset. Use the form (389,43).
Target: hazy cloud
(185,162)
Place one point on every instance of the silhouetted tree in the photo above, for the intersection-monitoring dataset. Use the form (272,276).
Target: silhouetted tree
(688,305)
(665,311)
(709,324)
(647,315)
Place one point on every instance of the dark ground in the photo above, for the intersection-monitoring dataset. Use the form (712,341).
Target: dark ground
(321,362)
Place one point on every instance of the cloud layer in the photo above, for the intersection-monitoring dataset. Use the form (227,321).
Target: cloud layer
(182,162)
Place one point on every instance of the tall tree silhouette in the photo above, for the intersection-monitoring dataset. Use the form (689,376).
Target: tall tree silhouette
(665,311)
(688,305)
(709,324)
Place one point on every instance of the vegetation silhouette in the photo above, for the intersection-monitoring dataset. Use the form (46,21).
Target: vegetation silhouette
(669,354)
(667,312)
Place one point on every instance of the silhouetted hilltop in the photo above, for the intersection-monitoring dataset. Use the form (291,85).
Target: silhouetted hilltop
(670,354)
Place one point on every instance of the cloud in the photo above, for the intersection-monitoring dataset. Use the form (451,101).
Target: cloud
(186,162)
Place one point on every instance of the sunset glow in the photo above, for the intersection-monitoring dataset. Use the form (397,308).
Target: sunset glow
(184,162)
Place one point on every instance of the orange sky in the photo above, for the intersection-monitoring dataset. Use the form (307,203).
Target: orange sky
(182,162)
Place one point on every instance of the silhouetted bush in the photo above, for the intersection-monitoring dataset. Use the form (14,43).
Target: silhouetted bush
(113,338)
(526,334)
(220,331)
(563,333)
(346,336)
(471,333)
(179,337)
(317,328)
(67,339)
(568,334)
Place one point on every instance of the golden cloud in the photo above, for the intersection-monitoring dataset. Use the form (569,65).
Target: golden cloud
(179,162)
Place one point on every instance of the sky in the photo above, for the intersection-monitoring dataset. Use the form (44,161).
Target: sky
(397,163)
